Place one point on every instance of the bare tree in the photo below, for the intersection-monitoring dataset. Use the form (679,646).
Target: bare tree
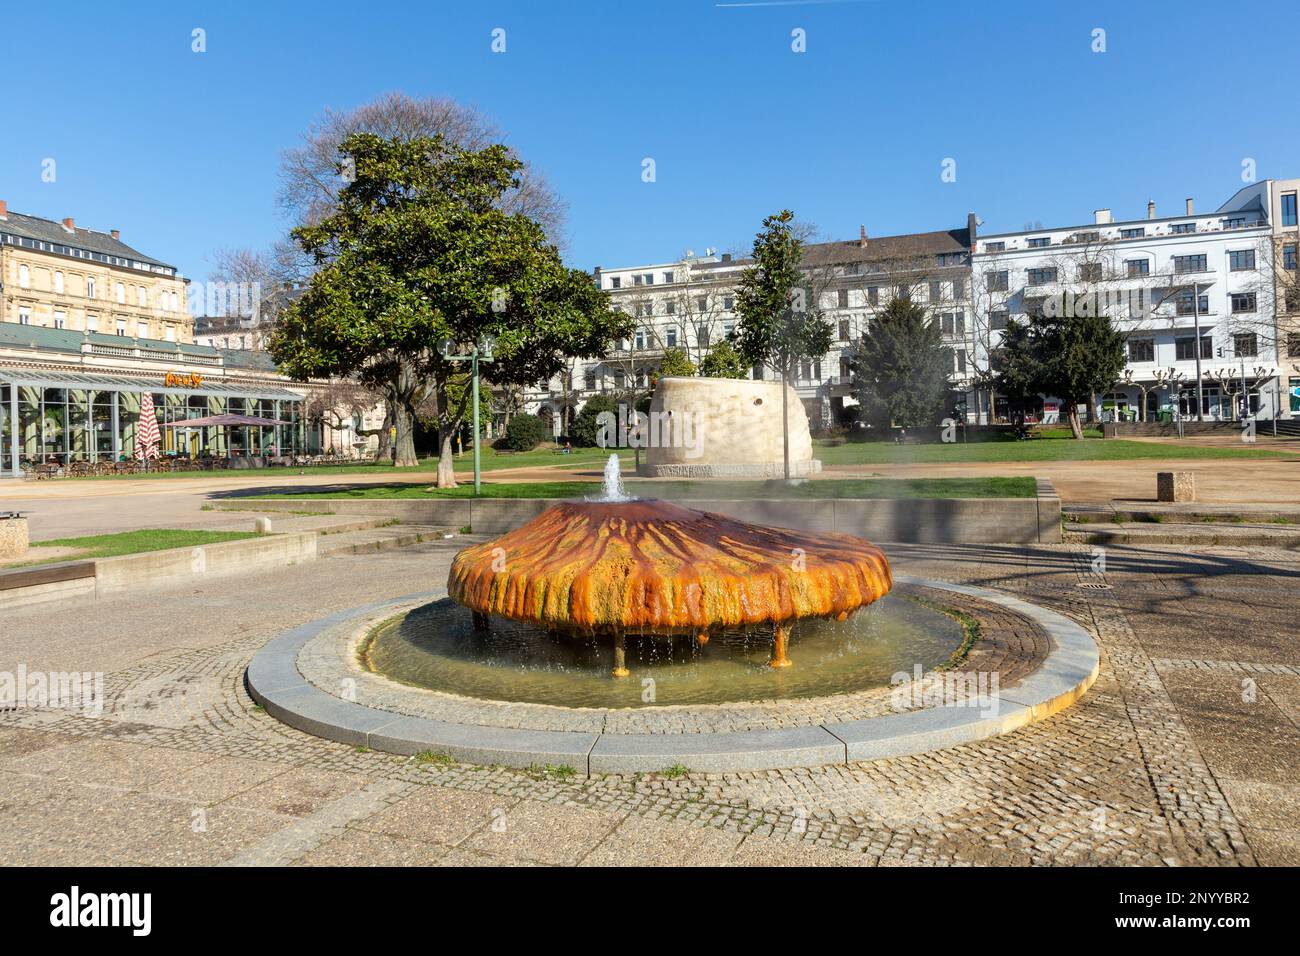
(340,404)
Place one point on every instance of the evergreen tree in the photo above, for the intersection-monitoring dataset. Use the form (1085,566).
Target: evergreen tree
(904,366)
(723,361)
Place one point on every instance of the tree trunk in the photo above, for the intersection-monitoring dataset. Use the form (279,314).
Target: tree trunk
(785,419)
(406,457)
(385,451)
(1076,428)
(446,458)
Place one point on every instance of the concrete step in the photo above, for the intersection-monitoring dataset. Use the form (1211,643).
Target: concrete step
(378,539)
(1142,512)
(288,523)
(1163,533)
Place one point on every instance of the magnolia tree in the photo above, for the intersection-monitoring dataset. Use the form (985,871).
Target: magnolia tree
(419,252)
(780,322)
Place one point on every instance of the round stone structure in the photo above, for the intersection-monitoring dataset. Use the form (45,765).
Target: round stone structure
(725,428)
(311,679)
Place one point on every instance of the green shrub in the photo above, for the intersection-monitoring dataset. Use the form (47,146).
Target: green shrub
(585,428)
(524,433)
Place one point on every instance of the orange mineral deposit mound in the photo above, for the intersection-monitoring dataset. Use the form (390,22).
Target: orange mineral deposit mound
(651,567)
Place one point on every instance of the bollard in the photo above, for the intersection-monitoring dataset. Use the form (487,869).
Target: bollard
(262,525)
(1175,486)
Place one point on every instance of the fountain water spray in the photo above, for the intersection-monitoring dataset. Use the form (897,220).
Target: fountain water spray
(612,489)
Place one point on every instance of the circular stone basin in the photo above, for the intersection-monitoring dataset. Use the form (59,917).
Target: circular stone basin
(437,647)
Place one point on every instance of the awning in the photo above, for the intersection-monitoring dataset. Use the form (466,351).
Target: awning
(41,378)
(212,420)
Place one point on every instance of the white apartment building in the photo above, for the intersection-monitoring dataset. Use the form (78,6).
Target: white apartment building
(1161,279)
(689,304)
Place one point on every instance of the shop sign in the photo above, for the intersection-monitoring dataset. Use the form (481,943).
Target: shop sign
(183,380)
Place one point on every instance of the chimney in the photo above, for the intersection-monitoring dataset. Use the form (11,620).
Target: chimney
(69,225)
(972,223)
(862,237)
(115,234)
(4,209)
(726,257)
(1190,212)
(1151,209)
(1101,217)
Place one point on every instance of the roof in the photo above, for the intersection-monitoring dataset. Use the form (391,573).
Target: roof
(14,335)
(39,378)
(248,358)
(910,246)
(47,230)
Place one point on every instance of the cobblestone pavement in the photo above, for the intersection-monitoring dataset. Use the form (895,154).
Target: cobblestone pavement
(1185,751)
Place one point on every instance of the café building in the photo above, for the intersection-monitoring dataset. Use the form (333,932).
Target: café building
(68,397)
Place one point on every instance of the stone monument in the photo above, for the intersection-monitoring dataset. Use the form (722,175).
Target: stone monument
(725,428)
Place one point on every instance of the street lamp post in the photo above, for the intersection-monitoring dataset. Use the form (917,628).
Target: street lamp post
(479,352)
(1196,318)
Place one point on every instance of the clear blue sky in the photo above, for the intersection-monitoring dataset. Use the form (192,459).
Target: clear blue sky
(180,150)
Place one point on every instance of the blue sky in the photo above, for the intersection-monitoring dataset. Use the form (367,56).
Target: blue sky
(180,150)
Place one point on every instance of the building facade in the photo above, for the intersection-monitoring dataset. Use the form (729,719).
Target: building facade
(689,304)
(1193,293)
(1215,289)
(58,275)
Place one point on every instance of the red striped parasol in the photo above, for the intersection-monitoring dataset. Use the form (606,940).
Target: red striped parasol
(146,431)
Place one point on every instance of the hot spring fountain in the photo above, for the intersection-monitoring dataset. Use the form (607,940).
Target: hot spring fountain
(617,566)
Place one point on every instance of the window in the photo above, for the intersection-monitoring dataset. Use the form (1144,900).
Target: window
(702,336)
(1293,344)
(670,307)
(1141,350)
(24,315)
(936,291)
(1039,243)
(998,320)
(649,278)
(997,281)
(1086,236)
(142,329)
(1289,256)
(1288,209)
(1236,222)
(1042,276)
(946,323)
(842,298)
(140,297)
(851,269)
(589,379)
(1185,349)
(995,247)
(175,303)
(1189,263)
(1137,267)
(121,326)
(1241,260)
(728,329)
(92,322)
(1137,233)
(728,303)
(24,277)
(702,303)
(1186,305)
(615,282)
(640,340)
(1245,345)
(170,333)
(958,289)
(1090,272)
(961,361)
(644,309)
(90,288)
(60,320)
(636,280)
(121,294)
(1181,228)
(58,283)
(1243,302)
(670,337)
(844,330)
(873,295)
(668,276)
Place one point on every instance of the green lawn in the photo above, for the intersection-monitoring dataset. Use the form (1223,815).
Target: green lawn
(715,489)
(1034,449)
(135,542)
(492,460)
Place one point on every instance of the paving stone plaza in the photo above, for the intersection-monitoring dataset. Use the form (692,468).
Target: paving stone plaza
(1184,752)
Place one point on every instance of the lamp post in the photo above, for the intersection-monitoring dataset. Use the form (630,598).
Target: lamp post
(480,352)
(1196,316)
